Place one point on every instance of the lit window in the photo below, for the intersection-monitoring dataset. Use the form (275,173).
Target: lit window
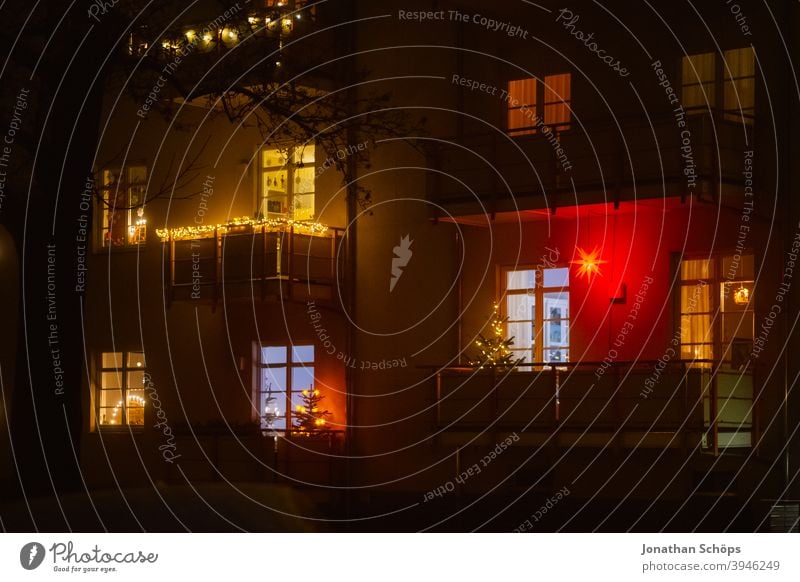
(283,372)
(555,96)
(537,307)
(716,331)
(122,218)
(119,397)
(287,182)
(711,82)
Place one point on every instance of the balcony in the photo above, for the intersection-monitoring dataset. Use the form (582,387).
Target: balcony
(254,260)
(628,405)
(635,159)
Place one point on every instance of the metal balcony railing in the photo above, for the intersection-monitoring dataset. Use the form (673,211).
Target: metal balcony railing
(677,404)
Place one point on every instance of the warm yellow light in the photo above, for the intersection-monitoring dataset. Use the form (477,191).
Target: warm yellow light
(741,296)
(190,34)
(208,230)
(588,263)
(252,19)
(207,37)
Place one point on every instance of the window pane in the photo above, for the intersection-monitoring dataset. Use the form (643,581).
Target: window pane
(136,360)
(734,268)
(739,95)
(695,329)
(135,414)
(520,279)
(556,277)
(556,334)
(557,95)
(556,305)
(272,158)
(522,333)
(274,405)
(273,355)
(112,360)
(109,398)
(520,307)
(520,119)
(111,380)
(303,206)
(108,416)
(302,379)
(522,92)
(740,63)
(695,299)
(698,68)
(303,354)
(695,269)
(304,155)
(135,381)
(556,355)
(273,379)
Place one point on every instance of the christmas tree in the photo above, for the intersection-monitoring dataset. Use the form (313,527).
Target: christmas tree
(309,417)
(494,351)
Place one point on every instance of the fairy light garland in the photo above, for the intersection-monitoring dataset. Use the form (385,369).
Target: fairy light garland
(208,230)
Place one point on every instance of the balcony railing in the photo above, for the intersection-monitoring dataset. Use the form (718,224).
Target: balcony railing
(603,162)
(641,404)
(256,261)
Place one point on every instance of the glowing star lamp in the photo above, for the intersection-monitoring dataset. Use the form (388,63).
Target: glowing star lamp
(588,263)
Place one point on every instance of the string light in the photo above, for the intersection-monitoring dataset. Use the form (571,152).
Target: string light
(208,230)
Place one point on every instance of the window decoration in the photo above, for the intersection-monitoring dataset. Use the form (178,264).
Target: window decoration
(287,183)
(310,418)
(120,389)
(122,217)
(537,308)
(588,263)
(495,350)
(242,222)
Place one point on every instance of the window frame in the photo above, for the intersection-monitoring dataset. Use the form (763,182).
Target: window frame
(539,321)
(135,226)
(289,364)
(539,108)
(124,371)
(717,281)
(290,166)
(717,104)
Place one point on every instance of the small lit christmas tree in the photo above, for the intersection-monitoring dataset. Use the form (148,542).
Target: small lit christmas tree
(494,351)
(309,417)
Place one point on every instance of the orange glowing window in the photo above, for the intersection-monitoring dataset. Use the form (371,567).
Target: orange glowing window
(119,397)
(533,105)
